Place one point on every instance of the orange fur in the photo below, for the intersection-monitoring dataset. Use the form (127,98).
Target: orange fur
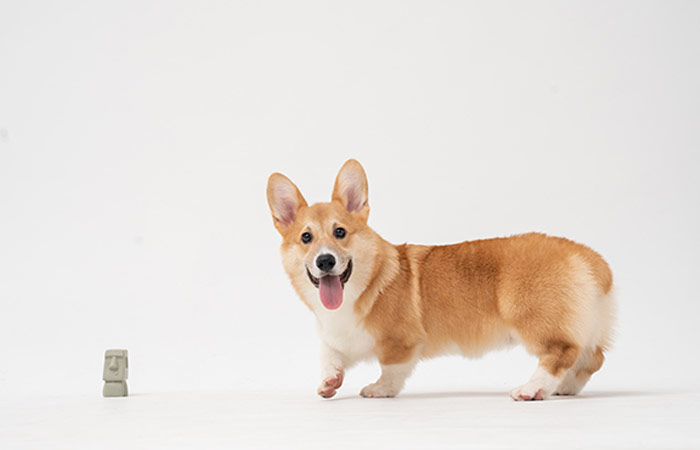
(420,301)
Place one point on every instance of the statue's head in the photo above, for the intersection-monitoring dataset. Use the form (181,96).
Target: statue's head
(116,366)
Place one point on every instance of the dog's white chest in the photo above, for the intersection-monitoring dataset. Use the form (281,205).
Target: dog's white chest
(340,330)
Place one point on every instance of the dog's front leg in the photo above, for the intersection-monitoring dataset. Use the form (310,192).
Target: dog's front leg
(391,381)
(332,371)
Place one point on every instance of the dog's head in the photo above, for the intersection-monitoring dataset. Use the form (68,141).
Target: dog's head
(327,248)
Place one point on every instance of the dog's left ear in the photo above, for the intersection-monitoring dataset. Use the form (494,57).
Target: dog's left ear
(351,189)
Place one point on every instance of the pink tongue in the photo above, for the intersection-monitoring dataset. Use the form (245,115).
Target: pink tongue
(331,291)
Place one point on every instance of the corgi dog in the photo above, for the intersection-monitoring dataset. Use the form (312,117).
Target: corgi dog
(403,303)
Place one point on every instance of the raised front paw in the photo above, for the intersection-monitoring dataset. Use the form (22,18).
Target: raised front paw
(379,390)
(330,385)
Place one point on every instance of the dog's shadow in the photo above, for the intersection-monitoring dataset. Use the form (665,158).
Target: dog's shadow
(462,394)
(504,394)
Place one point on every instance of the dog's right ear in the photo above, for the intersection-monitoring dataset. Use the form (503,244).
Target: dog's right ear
(284,199)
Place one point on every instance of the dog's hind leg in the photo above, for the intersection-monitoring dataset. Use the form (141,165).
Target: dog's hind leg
(589,362)
(555,360)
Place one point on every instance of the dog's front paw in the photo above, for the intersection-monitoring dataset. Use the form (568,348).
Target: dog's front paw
(379,390)
(330,385)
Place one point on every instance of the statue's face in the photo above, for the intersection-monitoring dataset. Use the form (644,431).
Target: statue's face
(115,368)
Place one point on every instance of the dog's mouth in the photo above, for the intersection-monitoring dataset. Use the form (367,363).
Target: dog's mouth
(344,277)
(330,287)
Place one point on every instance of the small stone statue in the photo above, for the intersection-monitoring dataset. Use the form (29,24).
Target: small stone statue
(115,373)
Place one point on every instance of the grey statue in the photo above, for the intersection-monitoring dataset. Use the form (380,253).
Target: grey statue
(115,373)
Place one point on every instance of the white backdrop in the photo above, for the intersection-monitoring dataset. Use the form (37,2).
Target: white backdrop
(136,139)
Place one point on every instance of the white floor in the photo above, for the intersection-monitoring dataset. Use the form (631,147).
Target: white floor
(481,419)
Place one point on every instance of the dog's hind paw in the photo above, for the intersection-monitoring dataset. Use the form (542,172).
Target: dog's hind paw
(527,392)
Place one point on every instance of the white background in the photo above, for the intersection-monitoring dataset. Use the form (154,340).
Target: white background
(136,139)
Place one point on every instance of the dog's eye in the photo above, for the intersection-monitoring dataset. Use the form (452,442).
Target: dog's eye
(339,232)
(306,237)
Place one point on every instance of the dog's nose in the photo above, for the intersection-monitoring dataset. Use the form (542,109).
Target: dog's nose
(325,262)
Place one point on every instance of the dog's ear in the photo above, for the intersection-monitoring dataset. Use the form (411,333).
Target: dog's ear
(284,199)
(351,189)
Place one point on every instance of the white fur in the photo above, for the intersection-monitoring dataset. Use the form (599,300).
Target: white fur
(343,338)
(595,311)
(340,331)
(332,362)
(391,381)
(541,381)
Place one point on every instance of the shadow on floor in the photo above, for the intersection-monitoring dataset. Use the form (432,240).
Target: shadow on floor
(504,394)
(612,394)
